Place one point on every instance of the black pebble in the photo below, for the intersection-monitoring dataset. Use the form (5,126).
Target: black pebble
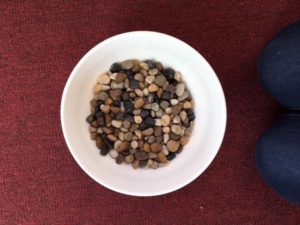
(190,114)
(144,126)
(119,116)
(125,153)
(133,84)
(130,74)
(115,68)
(171,156)
(90,118)
(120,159)
(104,150)
(117,103)
(128,117)
(107,143)
(151,64)
(166,96)
(128,107)
(150,121)
(145,113)
(98,114)
(101,121)
(143,163)
(191,117)
(169,74)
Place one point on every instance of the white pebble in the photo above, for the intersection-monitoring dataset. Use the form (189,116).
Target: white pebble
(168,110)
(138,119)
(139,92)
(99,130)
(165,150)
(113,153)
(174,101)
(166,138)
(146,92)
(176,119)
(157,122)
(134,144)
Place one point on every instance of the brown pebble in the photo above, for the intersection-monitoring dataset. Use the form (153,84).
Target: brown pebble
(112,137)
(153,72)
(156,147)
(141,155)
(93,136)
(175,137)
(120,159)
(139,103)
(172,145)
(162,158)
(128,136)
(135,164)
(160,80)
(187,105)
(129,159)
(158,131)
(134,127)
(115,109)
(164,104)
(120,77)
(151,139)
(108,101)
(127,64)
(176,109)
(123,146)
(146,147)
(139,77)
(159,92)
(115,93)
(105,108)
(153,88)
(165,120)
(176,129)
(126,124)
(147,132)
(107,130)
(102,96)
(184,140)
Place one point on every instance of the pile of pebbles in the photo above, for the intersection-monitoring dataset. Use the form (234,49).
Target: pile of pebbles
(141,113)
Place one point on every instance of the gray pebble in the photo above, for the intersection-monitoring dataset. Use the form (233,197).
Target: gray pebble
(155,106)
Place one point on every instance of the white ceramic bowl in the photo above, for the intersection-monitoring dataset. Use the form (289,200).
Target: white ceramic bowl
(210,110)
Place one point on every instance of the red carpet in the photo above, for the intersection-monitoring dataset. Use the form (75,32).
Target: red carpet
(41,42)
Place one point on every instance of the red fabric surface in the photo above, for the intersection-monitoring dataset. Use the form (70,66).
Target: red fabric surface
(41,42)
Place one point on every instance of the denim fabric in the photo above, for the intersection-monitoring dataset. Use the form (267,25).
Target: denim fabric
(278,157)
(279,66)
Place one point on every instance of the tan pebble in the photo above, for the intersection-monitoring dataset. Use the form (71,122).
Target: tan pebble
(156,147)
(113,153)
(152,155)
(116,123)
(138,119)
(149,163)
(139,103)
(104,79)
(157,122)
(97,88)
(127,64)
(115,109)
(188,131)
(116,85)
(146,92)
(115,93)
(177,76)
(172,145)
(165,150)
(123,146)
(132,95)
(158,131)
(144,72)
(117,144)
(128,136)
(162,158)
(184,140)
(137,112)
(107,130)
(180,88)
(166,138)
(153,113)
(139,77)
(129,159)
(120,77)
(134,144)
(93,136)
(135,164)
(160,92)
(113,76)
(126,83)
(146,147)
(154,165)
(112,137)
(147,132)
(160,80)
(105,108)
(134,138)
(176,109)
(153,72)
(183,115)
(166,130)
(176,129)
(176,119)
(142,85)
(150,79)
(168,110)
(123,129)
(187,105)
(147,106)
(144,65)
(165,120)
(184,96)
(126,124)
(108,101)
(139,92)
(138,133)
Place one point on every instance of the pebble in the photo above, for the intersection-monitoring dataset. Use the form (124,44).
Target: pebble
(108,101)
(123,129)
(160,80)
(152,155)
(159,113)
(113,76)
(153,72)
(139,103)
(105,108)
(107,130)
(104,79)
(134,127)
(139,77)
(145,113)
(126,124)
(112,137)
(134,144)
(151,139)
(155,106)
(174,101)
(115,94)
(123,146)
(132,151)
(176,129)
(93,136)
(103,96)
(104,150)
(158,139)
(116,85)
(187,105)
(139,92)
(146,147)
(143,163)
(120,159)
(144,65)
(154,165)
(169,73)
(128,106)
(150,79)
(127,64)
(183,115)
(177,76)
(165,150)
(133,84)
(141,155)
(135,164)
(176,109)
(97,88)
(172,145)
(156,147)
(147,105)
(157,122)
(148,132)
(152,113)
(171,156)
(153,88)
(115,67)
(99,131)
(128,136)
(165,120)
(129,159)
(158,131)
(184,96)
(164,104)
(149,163)
(120,77)
(138,119)
(138,133)
(166,138)
(146,92)
(92,129)
(162,158)
(150,121)
(117,144)
(166,95)
(180,88)
(116,123)
(113,153)
(171,88)
(176,119)
(184,140)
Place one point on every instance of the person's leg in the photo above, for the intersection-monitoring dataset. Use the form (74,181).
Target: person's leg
(278,157)
(279,66)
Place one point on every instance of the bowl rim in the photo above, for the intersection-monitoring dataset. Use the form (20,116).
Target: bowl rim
(103,183)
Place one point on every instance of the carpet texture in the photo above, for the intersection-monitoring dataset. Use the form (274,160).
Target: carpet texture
(41,42)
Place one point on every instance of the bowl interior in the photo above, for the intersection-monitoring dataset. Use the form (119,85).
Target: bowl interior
(210,112)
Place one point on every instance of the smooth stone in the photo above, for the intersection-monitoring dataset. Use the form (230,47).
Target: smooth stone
(180,88)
